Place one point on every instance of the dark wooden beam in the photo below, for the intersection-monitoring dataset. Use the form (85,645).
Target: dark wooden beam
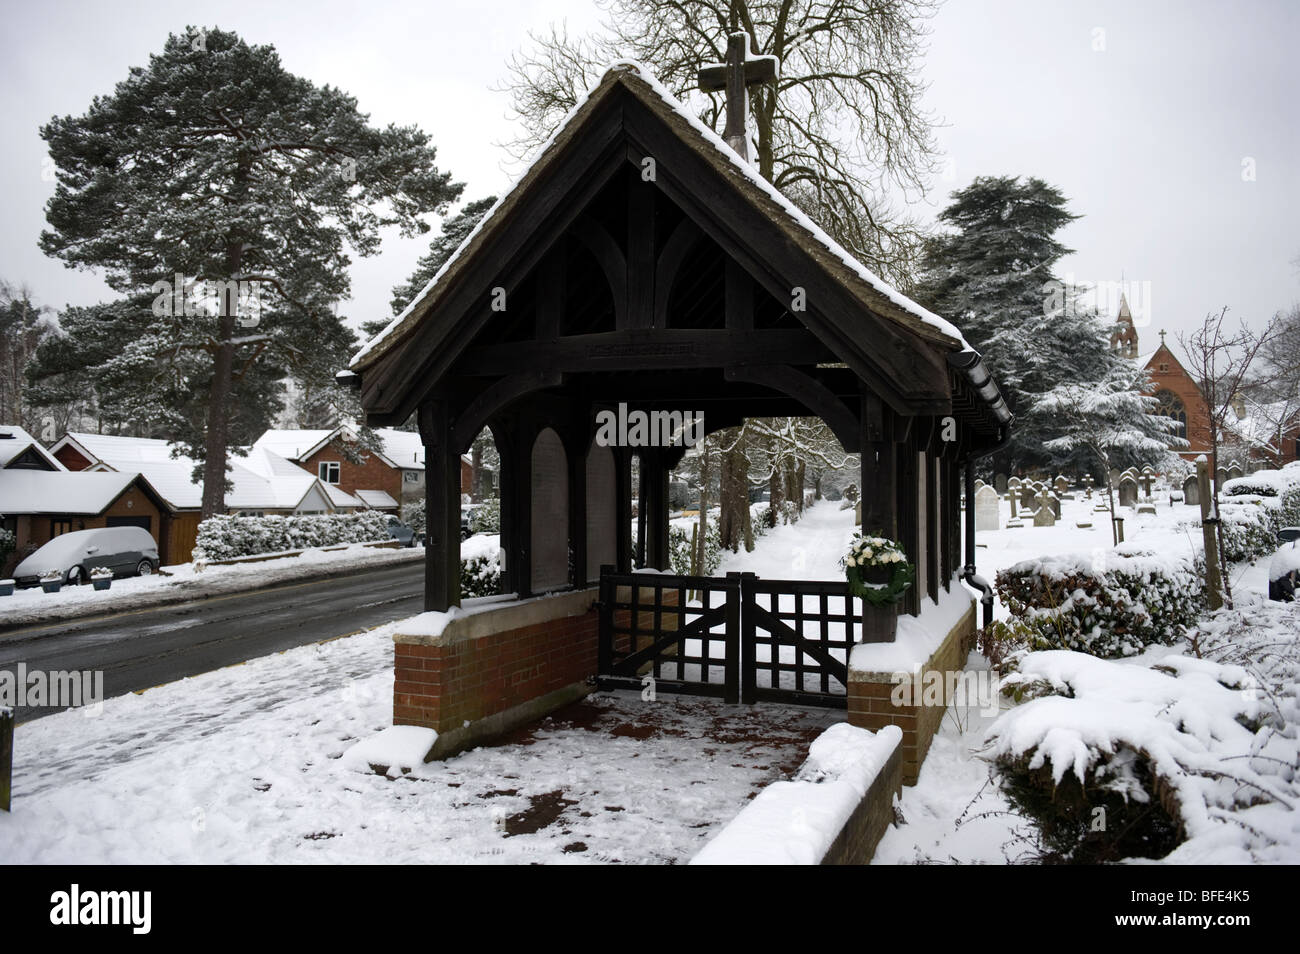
(812,394)
(677,249)
(739,298)
(442,508)
(496,397)
(648,349)
(640,263)
(879,469)
(550,294)
(898,365)
(610,258)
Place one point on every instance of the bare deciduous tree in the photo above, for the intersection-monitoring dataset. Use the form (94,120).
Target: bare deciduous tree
(1220,360)
(841,129)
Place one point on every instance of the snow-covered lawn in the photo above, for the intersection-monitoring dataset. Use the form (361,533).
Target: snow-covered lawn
(243,765)
(182,582)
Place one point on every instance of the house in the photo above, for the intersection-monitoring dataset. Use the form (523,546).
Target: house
(382,480)
(41,499)
(262,482)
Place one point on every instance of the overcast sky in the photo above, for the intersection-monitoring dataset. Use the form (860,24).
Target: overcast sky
(1171,126)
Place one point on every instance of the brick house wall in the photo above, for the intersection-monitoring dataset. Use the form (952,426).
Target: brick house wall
(371,474)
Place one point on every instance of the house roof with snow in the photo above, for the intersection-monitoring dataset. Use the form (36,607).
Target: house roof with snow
(17,446)
(62,491)
(261,479)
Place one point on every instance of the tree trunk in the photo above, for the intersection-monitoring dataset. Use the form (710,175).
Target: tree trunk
(733,492)
(217,436)
(476,472)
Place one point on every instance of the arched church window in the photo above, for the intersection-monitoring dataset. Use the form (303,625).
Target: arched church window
(1169,405)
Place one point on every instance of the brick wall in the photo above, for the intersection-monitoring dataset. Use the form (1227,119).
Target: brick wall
(371,474)
(871,704)
(1174,378)
(474,674)
(856,843)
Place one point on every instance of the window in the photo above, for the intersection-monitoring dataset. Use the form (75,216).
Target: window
(1168,405)
(60,527)
(329,471)
(411,476)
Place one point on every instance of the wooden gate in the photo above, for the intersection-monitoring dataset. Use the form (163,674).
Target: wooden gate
(736,637)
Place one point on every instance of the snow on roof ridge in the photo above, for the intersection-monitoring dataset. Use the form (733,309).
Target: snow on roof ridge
(645,75)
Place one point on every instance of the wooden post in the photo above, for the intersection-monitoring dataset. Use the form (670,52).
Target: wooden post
(442,508)
(737,592)
(6,756)
(605,635)
(1213,579)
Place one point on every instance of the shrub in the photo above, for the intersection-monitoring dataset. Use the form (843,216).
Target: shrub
(227,536)
(487,518)
(1253,509)
(413,515)
(8,543)
(679,551)
(1109,607)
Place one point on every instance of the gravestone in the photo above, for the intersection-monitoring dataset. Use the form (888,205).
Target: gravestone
(1191,492)
(1128,491)
(1234,470)
(1148,475)
(1027,493)
(1045,516)
(602,511)
(1220,476)
(1061,484)
(1011,498)
(986,509)
(550,513)
(1000,483)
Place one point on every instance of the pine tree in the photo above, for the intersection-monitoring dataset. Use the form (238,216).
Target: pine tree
(215,164)
(455,229)
(993,276)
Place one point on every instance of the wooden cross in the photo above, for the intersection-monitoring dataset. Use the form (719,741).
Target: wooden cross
(735,76)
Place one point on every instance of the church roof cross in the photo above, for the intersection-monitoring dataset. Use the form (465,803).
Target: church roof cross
(734,77)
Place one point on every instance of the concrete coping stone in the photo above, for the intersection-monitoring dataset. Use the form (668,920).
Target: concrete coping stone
(490,618)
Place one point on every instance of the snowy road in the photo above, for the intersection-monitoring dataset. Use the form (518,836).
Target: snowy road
(145,648)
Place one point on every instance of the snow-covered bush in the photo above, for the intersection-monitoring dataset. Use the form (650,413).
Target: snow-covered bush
(480,567)
(679,551)
(789,512)
(8,543)
(487,518)
(1110,605)
(226,537)
(1114,760)
(1252,509)
(413,515)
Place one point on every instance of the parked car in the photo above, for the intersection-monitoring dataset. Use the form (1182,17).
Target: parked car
(124,551)
(1284,568)
(400,532)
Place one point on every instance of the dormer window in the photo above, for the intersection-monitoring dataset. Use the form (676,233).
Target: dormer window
(328,471)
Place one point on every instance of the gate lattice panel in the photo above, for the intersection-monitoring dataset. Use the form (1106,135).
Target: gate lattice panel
(739,638)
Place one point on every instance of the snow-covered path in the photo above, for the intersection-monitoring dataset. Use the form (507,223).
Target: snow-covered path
(808,550)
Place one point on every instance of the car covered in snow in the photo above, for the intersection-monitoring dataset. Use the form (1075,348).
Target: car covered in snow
(124,551)
(1284,568)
